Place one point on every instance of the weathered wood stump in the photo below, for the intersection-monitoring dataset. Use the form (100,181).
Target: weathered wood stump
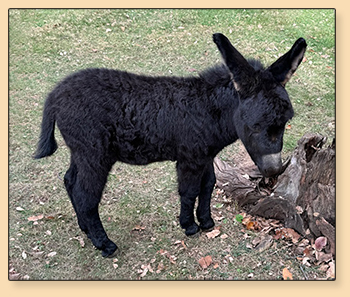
(302,197)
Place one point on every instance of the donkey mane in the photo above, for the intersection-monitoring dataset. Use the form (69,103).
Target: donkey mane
(217,75)
(256,64)
(220,74)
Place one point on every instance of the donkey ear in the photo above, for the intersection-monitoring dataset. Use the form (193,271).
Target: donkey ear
(241,70)
(286,65)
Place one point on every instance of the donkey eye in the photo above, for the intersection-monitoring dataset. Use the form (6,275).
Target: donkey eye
(274,131)
(256,128)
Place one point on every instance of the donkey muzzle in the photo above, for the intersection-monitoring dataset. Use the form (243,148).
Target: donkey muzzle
(270,165)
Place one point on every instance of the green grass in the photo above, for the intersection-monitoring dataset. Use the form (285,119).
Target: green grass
(46,45)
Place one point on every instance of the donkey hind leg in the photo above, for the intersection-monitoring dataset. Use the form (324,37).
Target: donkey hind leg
(189,182)
(203,210)
(85,193)
(69,181)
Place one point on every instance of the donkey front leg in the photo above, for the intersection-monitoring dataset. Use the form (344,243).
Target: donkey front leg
(189,181)
(203,210)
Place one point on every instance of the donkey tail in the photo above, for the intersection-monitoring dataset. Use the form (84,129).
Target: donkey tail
(47,144)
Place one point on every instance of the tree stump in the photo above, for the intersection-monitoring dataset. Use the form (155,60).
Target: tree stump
(302,197)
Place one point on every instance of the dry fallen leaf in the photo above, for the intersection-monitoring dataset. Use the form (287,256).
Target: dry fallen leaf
(35,218)
(299,209)
(264,244)
(143,271)
(162,252)
(160,267)
(50,217)
(287,233)
(323,268)
(182,242)
(213,234)
(307,252)
(14,276)
(286,274)
(250,225)
(172,258)
(323,257)
(205,262)
(138,228)
(115,265)
(51,254)
(81,240)
(306,261)
(331,271)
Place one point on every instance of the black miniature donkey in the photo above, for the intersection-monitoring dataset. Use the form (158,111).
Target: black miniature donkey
(108,115)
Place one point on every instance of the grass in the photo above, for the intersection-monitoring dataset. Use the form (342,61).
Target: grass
(46,45)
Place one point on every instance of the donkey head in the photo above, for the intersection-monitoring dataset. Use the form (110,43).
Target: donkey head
(264,106)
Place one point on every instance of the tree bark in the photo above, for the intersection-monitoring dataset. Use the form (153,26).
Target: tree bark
(302,196)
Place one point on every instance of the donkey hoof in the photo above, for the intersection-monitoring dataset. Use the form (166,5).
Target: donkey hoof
(110,250)
(208,225)
(192,230)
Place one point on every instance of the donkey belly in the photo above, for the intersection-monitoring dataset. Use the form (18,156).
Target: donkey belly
(140,152)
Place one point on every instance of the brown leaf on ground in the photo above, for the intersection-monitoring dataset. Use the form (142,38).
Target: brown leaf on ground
(162,252)
(287,233)
(307,252)
(80,240)
(138,228)
(35,218)
(250,225)
(264,244)
(331,270)
(160,267)
(115,265)
(13,275)
(213,234)
(205,262)
(143,271)
(286,274)
(323,257)
(171,258)
(182,242)
(323,268)
(52,254)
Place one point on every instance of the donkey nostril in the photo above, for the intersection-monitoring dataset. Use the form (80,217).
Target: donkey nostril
(269,172)
(271,164)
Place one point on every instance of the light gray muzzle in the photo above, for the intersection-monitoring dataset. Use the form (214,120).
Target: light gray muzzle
(270,165)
